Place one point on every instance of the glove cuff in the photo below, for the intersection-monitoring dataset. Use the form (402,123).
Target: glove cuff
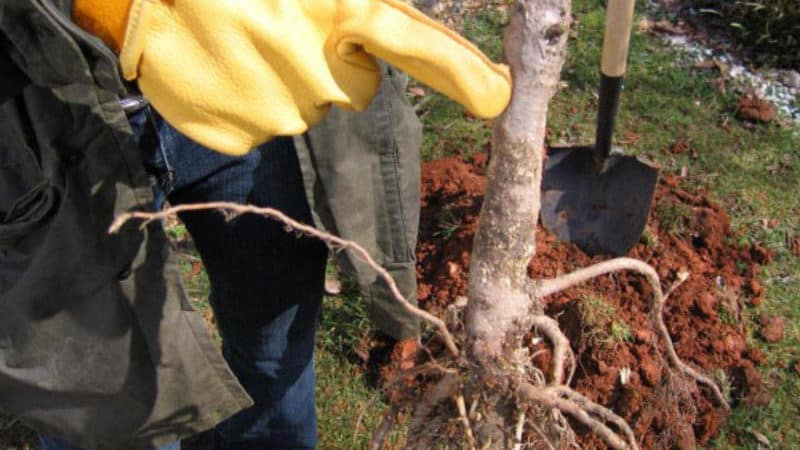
(105,19)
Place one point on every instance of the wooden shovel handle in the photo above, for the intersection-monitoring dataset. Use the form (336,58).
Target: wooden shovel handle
(619,19)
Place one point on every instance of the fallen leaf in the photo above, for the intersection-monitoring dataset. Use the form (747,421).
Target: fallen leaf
(754,109)
(197,266)
(678,147)
(794,245)
(665,26)
(705,64)
(629,138)
(772,328)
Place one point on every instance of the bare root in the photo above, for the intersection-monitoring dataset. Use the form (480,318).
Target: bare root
(581,409)
(233,210)
(561,347)
(554,285)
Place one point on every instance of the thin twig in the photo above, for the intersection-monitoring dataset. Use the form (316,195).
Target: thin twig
(335,242)
(380,435)
(363,413)
(462,414)
(518,430)
(544,436)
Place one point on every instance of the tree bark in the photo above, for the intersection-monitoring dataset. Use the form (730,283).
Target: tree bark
(500,307)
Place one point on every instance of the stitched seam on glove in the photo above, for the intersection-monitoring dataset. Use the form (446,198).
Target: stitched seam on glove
(133,43)
(467,45)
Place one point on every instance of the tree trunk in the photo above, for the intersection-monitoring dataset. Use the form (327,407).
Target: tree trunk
(500,309)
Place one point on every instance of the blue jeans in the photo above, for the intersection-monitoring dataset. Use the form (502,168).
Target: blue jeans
(266,283)
(49,443)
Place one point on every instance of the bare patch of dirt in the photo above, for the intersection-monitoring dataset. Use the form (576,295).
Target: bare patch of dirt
(607,319)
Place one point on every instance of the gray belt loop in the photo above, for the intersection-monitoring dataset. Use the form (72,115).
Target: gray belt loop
(132,103)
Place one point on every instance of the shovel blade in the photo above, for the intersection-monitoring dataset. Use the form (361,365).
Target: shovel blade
(601,211)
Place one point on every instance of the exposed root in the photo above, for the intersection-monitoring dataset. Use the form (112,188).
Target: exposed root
(553,285)
(233,210)
(597,409)
(462,415)
(541,433)
(581,410)
(561,348)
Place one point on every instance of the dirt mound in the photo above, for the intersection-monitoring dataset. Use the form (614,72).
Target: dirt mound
(607,319)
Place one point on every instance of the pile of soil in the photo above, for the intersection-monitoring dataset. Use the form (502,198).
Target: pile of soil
(606,319)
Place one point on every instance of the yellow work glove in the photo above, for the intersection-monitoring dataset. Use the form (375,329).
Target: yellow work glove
(231,74)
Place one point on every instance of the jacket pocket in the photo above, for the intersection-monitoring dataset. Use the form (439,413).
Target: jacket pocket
(27,198)
(27,213)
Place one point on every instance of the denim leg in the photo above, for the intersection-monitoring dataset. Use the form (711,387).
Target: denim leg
(266,289)
(49,443)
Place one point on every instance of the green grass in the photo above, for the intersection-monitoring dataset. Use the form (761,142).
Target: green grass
(598,319)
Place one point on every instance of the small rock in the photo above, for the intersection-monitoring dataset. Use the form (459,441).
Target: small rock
(791,78)
(772,328)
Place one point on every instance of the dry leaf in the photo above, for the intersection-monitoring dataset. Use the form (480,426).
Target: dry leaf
(754,109)
(706,64)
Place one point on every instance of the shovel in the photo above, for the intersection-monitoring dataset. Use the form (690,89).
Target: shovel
(591,196)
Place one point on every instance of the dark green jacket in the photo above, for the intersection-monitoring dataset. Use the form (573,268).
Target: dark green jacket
(98,344)
(362,177)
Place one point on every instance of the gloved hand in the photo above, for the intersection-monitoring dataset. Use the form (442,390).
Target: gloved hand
(231,74)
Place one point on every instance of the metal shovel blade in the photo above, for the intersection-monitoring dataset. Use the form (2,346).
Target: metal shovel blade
(602,210)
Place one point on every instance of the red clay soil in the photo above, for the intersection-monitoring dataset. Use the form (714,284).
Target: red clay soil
(686,232)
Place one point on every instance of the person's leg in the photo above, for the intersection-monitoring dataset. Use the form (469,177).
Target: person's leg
(266,286)
(49,443)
